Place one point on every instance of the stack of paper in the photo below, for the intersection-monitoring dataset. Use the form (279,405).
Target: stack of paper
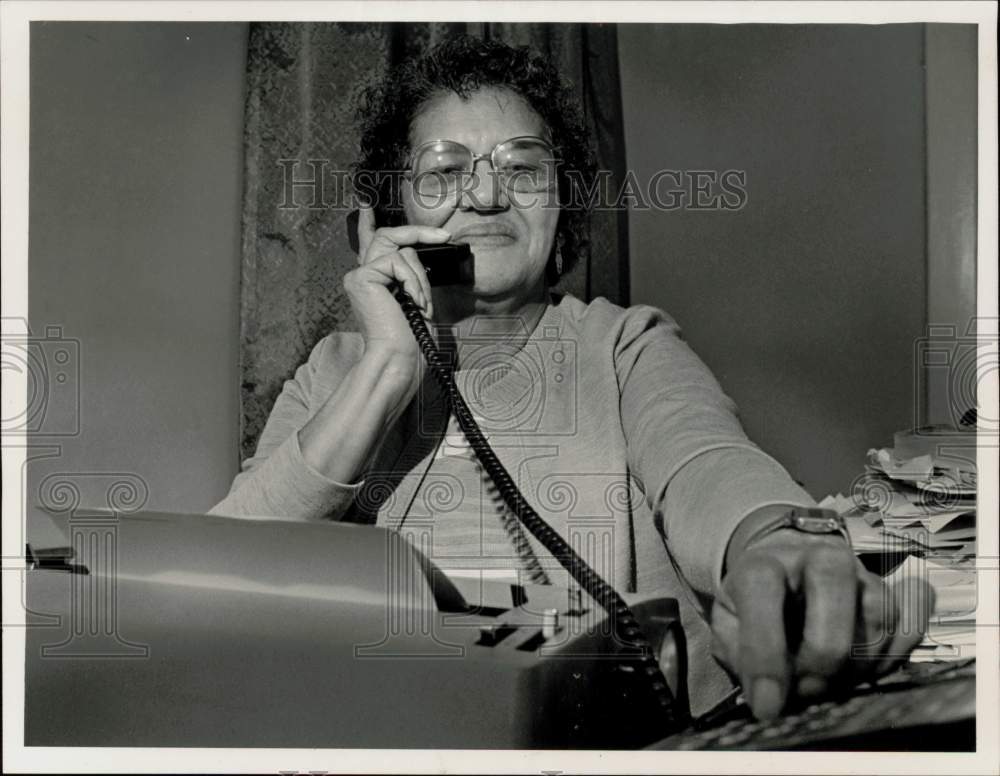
(952,621)
(952,532)
(922,507)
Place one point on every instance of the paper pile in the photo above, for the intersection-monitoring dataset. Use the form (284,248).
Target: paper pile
(917,515)
(952,622)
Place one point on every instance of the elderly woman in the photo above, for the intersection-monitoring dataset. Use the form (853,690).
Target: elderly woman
(613,429)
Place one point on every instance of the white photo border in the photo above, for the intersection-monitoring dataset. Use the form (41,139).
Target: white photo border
(15,17)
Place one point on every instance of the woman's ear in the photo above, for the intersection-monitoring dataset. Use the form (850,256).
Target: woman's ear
(554,266)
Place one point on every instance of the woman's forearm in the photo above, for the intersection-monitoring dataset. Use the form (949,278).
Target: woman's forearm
(340,439)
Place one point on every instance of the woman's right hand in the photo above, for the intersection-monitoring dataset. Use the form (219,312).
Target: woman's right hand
(386,259)
(343,436)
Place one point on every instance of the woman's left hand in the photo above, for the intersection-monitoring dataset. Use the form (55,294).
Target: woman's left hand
(800,616)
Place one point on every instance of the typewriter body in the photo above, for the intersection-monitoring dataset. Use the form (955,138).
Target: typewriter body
(201,631)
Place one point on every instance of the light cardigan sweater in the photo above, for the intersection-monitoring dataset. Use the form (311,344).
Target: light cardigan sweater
(615,431)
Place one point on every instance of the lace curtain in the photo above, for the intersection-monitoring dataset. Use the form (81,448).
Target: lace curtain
(301,82)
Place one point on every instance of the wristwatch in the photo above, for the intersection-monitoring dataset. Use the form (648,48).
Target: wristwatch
(807,520)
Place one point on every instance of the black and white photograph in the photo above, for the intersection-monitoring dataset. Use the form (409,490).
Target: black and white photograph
(543,387)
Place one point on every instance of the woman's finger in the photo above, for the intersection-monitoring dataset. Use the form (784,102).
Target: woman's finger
(394,268)
(915,601)
(366,231)
(830,586)
(391,238)
(725,637)
(758,588)
(878,619)
(409,234)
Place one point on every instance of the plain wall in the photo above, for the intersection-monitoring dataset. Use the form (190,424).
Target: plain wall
(135,196)
(806,302)
(952,89)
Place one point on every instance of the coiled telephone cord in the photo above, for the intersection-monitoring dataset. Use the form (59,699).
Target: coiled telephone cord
(626,629)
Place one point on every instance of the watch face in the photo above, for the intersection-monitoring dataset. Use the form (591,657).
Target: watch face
(816,525)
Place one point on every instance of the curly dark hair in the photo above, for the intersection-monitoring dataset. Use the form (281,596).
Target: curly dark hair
(463,64)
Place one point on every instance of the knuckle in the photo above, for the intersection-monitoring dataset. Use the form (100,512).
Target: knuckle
(832,560)
(835,551)
(758,571)
(909,641)
(722,618)
(872,582)
(387,261)
(830,655)
(877,607)
(721,649)
(878,603)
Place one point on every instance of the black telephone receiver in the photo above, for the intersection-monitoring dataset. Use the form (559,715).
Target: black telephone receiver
(446,264)
(639,663)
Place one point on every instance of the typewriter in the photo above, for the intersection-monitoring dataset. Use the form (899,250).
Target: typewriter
(193,630)
(160,630)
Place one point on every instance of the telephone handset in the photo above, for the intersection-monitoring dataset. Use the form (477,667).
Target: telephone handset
(446,264)
(637,656)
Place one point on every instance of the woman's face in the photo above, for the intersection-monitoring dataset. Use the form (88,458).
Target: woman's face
(510,241)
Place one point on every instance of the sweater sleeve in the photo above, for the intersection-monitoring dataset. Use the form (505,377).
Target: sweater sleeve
(700,473)
(277,481)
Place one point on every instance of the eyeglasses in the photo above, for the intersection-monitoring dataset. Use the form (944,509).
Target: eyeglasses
(441,167)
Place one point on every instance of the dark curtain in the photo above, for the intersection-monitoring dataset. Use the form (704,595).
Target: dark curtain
(301,84)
